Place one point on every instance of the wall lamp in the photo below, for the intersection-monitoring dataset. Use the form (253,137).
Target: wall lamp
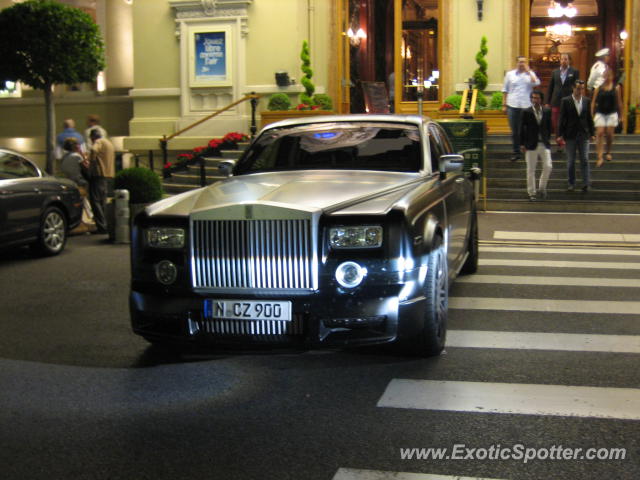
(480,7)
(357,37)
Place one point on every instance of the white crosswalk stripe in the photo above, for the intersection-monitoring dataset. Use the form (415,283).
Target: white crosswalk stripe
(576,237)
(557,264)
(564,281)
(571,342)
(562,250)
(544,305)
(513,398)
(357,474)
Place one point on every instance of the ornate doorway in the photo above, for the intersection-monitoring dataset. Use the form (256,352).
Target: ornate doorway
(579,28)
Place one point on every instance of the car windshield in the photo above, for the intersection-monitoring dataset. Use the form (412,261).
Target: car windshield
(336,145)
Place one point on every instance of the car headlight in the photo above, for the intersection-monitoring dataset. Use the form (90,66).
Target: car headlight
(359,236)
(165,237)
(350,274)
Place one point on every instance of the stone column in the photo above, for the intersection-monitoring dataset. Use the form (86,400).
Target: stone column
(119,44)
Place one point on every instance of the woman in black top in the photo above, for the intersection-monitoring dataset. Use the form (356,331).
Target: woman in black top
(605,109)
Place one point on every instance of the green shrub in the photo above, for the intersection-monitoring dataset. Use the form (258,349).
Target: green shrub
(454,100)
(144,185)
(279,101)
(481,101)
(480,75)
(323,101)
(496,101)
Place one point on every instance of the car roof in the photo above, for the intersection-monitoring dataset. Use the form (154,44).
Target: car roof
(389,118)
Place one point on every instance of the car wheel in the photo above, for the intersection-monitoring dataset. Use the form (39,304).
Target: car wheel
(429,340)
(53,232)
(471,264)
(437,301)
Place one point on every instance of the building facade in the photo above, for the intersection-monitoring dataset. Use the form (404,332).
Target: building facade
(171,63)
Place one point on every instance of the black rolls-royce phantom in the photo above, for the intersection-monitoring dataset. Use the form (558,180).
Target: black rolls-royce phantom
(344,230)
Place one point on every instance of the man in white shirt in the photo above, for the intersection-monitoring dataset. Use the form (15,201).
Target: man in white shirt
(518,85)
(596,76)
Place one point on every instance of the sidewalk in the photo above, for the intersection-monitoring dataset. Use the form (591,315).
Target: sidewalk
(559,227)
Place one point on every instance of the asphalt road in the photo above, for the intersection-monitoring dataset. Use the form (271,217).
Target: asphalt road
(81,397)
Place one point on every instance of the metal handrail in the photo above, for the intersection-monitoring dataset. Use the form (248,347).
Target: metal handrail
(252,97)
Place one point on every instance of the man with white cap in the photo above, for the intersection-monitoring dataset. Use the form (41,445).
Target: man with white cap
(596,77)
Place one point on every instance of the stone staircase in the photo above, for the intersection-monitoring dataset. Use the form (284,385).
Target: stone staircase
(185,180)
(616,185)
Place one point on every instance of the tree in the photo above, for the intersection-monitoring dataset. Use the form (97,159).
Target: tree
(44,43)
(308,85)
(480,75)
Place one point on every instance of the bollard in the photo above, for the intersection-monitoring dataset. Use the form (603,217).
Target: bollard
(122,230)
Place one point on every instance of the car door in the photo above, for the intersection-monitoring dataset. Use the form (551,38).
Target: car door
(20,198)
(455,198)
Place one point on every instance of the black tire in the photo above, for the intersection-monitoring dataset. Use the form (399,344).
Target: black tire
(471,264)
(52,236)
(430,340)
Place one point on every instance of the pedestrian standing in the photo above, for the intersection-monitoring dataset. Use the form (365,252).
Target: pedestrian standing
(560,86)
(71,167)
(605,108)
(69,131)
(101,167)
(596,75)
(576,129)
(93,121)
(535,134)
(517,88)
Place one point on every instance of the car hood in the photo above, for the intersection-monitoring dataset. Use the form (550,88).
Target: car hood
(316,190)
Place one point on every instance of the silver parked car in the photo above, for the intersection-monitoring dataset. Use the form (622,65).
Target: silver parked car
(336,230)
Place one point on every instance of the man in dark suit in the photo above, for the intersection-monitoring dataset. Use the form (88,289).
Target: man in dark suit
(560,86)
(577,130)
(535,132)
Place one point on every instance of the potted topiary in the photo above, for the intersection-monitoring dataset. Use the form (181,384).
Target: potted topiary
(144,186)
(279,107)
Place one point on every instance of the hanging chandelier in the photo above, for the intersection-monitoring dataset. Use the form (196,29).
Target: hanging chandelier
(561,9)
(560,32)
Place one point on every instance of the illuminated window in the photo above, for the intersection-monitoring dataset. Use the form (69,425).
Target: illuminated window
(419,50)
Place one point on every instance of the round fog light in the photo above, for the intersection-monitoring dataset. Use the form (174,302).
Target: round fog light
(166,272)
(350,274)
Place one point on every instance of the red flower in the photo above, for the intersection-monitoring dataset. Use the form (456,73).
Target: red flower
(315,107)
(214,143)
(198,149)
(168,165)
(185,156)
(303,106)
(446,106)
(235,137)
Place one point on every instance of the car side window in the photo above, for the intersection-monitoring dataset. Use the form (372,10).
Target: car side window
(12,166)
(443,139)
(436,148)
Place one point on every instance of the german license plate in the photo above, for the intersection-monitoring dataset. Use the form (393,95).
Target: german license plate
(247,310)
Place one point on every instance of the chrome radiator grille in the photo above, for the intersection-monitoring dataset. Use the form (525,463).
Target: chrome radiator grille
(262,328)
(253,254)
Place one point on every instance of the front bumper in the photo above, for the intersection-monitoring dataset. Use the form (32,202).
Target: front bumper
(374,315)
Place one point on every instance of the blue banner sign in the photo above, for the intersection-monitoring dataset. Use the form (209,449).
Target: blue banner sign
(211,56)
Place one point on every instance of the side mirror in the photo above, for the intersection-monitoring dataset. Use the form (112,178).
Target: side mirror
(450,163)
(225,167)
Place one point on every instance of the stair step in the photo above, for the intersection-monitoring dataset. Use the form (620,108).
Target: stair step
(554,193)
(560,171)
(506,138)
(552,205)
(618,184)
